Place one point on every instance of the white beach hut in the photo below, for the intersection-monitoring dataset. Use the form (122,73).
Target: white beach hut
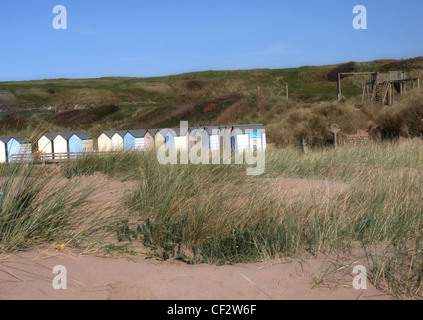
(117,141)
(197,133)
(181,139)
(45,143)
(105,141)
(216,135)
(3,149)
(159,136)
(61,145)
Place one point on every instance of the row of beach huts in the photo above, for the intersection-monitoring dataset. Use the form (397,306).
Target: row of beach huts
(71,144)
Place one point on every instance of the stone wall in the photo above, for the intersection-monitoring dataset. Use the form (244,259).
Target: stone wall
(362,138)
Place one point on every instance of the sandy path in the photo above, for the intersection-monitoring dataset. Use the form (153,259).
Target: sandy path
(29,275)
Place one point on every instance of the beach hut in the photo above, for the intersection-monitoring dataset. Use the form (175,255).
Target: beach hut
(149,140)
(181,140)
(257,138)
(216,135)
(239,138)
(105,141)
(3,149)
(195,133)
(159,136)
(81,142)
(249,136)
(18,146)
(164,137)
(117,140)
(135,140)
(45,143)
(61,145)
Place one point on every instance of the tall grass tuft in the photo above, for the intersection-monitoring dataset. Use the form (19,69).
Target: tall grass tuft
(36,207)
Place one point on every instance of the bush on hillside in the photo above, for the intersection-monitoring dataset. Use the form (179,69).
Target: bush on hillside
(89,116)
(13,122)
(346,67)
(194,85)
(403,119)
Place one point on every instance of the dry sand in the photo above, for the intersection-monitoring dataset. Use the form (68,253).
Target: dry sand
(29,275)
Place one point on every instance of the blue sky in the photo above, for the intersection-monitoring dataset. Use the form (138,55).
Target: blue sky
(153,38)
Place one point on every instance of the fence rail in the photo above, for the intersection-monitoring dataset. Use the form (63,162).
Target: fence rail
(57,157)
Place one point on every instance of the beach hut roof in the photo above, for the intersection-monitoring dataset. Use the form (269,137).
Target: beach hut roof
(21,139)
(83,135)
(153,131)
(177,131)
(163,131)
(244,127)
(109,133)
(210,129)
(137,133)
(121,133)
(50,136)
(65,135)
(253,126)
(5,139)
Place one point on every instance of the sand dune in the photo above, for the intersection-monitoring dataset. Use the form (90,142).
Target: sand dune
(29,275)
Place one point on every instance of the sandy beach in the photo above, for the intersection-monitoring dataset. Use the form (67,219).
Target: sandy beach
(29,275)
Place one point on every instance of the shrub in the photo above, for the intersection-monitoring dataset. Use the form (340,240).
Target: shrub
(346,67)
(403,119)
(13,122)
(88,116)
(194,85)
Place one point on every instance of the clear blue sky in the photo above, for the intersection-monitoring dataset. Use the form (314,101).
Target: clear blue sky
(152,38)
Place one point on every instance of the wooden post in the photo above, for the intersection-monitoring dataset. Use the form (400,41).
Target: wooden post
(339,88)
(368,91)
(287,93)
(364,91)
(304,145)
(335,130)
(392,92)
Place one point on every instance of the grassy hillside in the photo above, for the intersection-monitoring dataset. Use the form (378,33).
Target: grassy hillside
(202,98)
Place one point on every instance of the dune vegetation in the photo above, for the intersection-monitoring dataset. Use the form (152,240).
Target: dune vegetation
(362,202)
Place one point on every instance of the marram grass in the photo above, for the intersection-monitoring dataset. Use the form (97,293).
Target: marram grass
(369,197)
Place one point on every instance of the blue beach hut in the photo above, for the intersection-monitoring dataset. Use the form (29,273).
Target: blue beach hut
(18,146)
